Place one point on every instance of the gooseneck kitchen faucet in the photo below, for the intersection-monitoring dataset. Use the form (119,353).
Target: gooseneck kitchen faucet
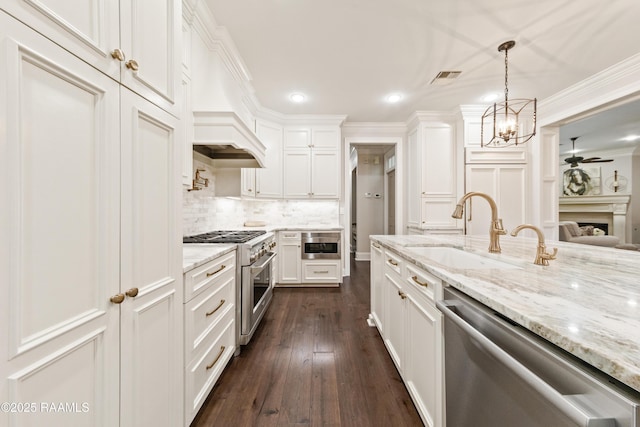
(495,229)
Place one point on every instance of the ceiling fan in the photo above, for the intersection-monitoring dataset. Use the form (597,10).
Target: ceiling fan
(574,160)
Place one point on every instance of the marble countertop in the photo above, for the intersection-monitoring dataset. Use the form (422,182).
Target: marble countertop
(196,254)
(587,301)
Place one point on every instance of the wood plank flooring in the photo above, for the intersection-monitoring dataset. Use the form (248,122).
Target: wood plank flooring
(313,361)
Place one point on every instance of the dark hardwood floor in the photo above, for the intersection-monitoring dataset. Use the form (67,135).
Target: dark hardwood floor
(313,361)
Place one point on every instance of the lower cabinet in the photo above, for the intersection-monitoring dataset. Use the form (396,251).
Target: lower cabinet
(209,327)
(412,329)
(327,272)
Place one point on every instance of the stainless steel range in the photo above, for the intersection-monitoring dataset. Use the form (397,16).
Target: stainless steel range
(255,256)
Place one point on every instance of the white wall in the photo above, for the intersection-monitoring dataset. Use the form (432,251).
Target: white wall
(370,212)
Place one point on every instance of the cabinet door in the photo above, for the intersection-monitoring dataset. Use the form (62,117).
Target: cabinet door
(151,321)
(89,29)
(150,34)
(377,278)
(248,182)
(507,184)
(414,181)
(325,174)
(394,336)
(297,174)
(290,263)
(423,368)
(297,138)
(269,178)
(59,233)
(325,138)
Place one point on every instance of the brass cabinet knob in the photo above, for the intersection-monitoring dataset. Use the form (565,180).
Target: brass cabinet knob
(132,292)
(117,54)
(117,298)
(132,64)
(402,295)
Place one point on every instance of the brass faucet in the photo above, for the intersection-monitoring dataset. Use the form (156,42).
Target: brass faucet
(542,256)
(495,229)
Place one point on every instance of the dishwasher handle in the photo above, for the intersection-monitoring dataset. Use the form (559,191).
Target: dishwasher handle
(558,400)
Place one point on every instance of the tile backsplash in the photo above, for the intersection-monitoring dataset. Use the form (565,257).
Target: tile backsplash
(202,211)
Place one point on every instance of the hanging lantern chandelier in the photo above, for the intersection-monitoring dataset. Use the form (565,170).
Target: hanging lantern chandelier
(512,122)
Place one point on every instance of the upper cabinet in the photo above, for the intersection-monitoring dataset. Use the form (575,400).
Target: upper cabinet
(133,42)
(266,182)
(311,158)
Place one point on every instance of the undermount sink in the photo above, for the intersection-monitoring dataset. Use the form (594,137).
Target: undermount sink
(457,258)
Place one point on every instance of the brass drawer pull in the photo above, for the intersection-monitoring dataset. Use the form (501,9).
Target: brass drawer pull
(321,272)
(392,262)
(216,309)
(402,295)
(415,279)
(222,267)
(217,358)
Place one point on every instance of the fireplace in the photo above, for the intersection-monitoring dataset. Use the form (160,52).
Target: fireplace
(608,213)
(601,225)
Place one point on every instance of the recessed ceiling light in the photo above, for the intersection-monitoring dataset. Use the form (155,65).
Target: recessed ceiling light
(297,97)
(631,138)
(393,98)
(490,97)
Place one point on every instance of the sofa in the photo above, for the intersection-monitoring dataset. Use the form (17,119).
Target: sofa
(569,231)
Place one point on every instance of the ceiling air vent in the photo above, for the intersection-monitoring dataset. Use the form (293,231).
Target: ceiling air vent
(445,77)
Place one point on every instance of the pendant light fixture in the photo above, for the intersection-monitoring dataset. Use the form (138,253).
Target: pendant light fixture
(512,122)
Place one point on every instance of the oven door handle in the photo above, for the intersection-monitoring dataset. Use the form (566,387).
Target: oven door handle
(258,268)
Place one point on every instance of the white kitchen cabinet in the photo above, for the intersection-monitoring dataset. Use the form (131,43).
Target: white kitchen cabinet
(145,32)
(377,288)
(289,254)
(432,173)
(311,162)
(209,327)
(266,182)
(412,330)
(150,329)
(507,185)
(91,245)
(322,272)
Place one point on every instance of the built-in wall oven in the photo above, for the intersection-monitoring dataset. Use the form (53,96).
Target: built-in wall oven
(256,252)
(320,245)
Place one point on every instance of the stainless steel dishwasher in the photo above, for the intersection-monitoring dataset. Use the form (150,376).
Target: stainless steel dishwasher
(500,374)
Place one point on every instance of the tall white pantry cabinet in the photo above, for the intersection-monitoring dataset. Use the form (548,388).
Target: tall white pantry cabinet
(90,260)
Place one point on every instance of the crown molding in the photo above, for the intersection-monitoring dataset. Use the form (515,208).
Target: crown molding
(619,82)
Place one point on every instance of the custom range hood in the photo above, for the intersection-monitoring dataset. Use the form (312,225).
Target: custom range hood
(224,138)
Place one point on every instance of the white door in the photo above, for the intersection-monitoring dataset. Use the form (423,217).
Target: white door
(59,234)
(297,174)
(269,178)
(151,326)
(325,174)
(149,39)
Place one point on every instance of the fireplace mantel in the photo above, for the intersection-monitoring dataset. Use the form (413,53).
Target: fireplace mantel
(611,209)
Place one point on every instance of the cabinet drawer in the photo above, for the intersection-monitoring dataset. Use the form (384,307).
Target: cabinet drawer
(321,272)
(202,373)
(290,236)
(196,280)
(426,283)
(393,261)
(204,312)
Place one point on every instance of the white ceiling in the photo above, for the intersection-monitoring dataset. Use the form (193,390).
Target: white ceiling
(348,55)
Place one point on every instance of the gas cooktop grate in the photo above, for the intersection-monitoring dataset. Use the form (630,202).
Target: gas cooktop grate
(230,236)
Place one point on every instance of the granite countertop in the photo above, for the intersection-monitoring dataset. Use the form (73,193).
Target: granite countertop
(196,254)
(587,301)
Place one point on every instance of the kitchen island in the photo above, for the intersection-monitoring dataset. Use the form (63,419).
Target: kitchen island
(587,301)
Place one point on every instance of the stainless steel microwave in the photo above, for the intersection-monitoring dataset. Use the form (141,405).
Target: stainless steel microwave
(320,245)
